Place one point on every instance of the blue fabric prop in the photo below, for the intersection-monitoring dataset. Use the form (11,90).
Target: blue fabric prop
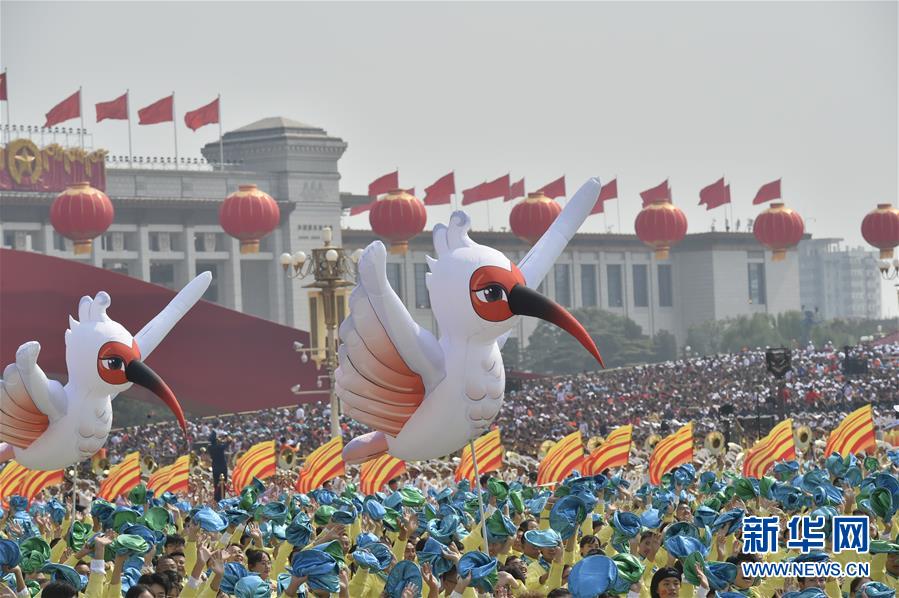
(210,521)
(319,567)
(432,552)
(592,576)
(10,555)
(567,514)
(299,531)
(403,574)
(481,568)
(234,572)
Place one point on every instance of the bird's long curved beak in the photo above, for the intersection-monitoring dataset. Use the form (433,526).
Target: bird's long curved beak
(525,301)
(140,373)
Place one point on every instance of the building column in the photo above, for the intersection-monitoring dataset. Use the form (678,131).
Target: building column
(232,268)
(190,255)
(143,252)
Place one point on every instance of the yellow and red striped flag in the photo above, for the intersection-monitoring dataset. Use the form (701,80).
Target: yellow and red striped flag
(11,478)
(379,471)
(171,478)
(565,456)
(671,451)
(777,445)
(258,462)
(323,464)
(122,477)
(489,451)
(614,452)
(854,434)
(36,481)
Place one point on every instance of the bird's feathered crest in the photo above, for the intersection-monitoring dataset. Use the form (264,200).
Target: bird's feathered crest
(92,310)
(454,236)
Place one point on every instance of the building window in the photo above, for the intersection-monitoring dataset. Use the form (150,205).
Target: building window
(616,296)
(757,284)
(588,285)
(395,278)
(666,292)
(562,275)
(422,300)
(117,267)
(641,286)
(163,274)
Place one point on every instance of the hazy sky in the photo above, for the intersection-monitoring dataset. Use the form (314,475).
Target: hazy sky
(753,91)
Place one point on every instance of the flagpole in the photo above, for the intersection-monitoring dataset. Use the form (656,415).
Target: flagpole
(221,137)
(128,112)
(8,122)
(175,129)
(477,481)
(618,206)
(81,115)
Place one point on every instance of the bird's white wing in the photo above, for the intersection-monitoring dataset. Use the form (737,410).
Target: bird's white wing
(540,259)
(156,329)
(29,401)
(388,363)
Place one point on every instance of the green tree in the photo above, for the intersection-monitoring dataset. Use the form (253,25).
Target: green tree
(664,346)
(620,340)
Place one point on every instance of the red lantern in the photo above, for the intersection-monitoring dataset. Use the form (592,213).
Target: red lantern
(249,214)
(660,225)
(398,217)
(778,228)
(880,228)
(81,213)
(531,217)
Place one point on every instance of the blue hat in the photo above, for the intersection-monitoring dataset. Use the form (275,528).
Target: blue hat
(273,511)
(443,529)
(10,555)
(149,536)
(706,480)
(807,593)
(592,577)
(815,556)
(299,531)
(684,475)
(705,516)
(567,514)
(663,500)
(374,557)
(682,546)
(319,567)
(875,589)
(374,509)
(432,552)
(730,520)
(252,586)
(366,538)
(323,497)
(626,523)
(499,527)
(543,538)
(65,574)
(651,518)
(234,572)
(235,516)
(403,574)
(209,520)
(17,503)
(57,510)
(345,516)
(482,569)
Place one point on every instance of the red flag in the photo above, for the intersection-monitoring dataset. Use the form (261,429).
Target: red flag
(554,189)
(206,115)
(383,184)
(3,85)
(495,188)
(116,109)
(607,192)
(767,192)
(360,208)
(161,111)
(516,190)
(716,194)
(659,192)
(440,192)
(67,109)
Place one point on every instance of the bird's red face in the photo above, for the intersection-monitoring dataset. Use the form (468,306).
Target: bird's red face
(498,293)
(118,364)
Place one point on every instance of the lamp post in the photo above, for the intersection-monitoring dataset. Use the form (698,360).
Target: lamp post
(331,269)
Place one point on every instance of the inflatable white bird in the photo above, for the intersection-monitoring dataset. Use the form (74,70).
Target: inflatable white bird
(426,397)
(48,426)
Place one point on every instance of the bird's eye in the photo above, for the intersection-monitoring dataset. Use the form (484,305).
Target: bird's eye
(113,363)
(491,293)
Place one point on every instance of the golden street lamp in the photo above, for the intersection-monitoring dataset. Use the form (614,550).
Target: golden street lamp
(331,269)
